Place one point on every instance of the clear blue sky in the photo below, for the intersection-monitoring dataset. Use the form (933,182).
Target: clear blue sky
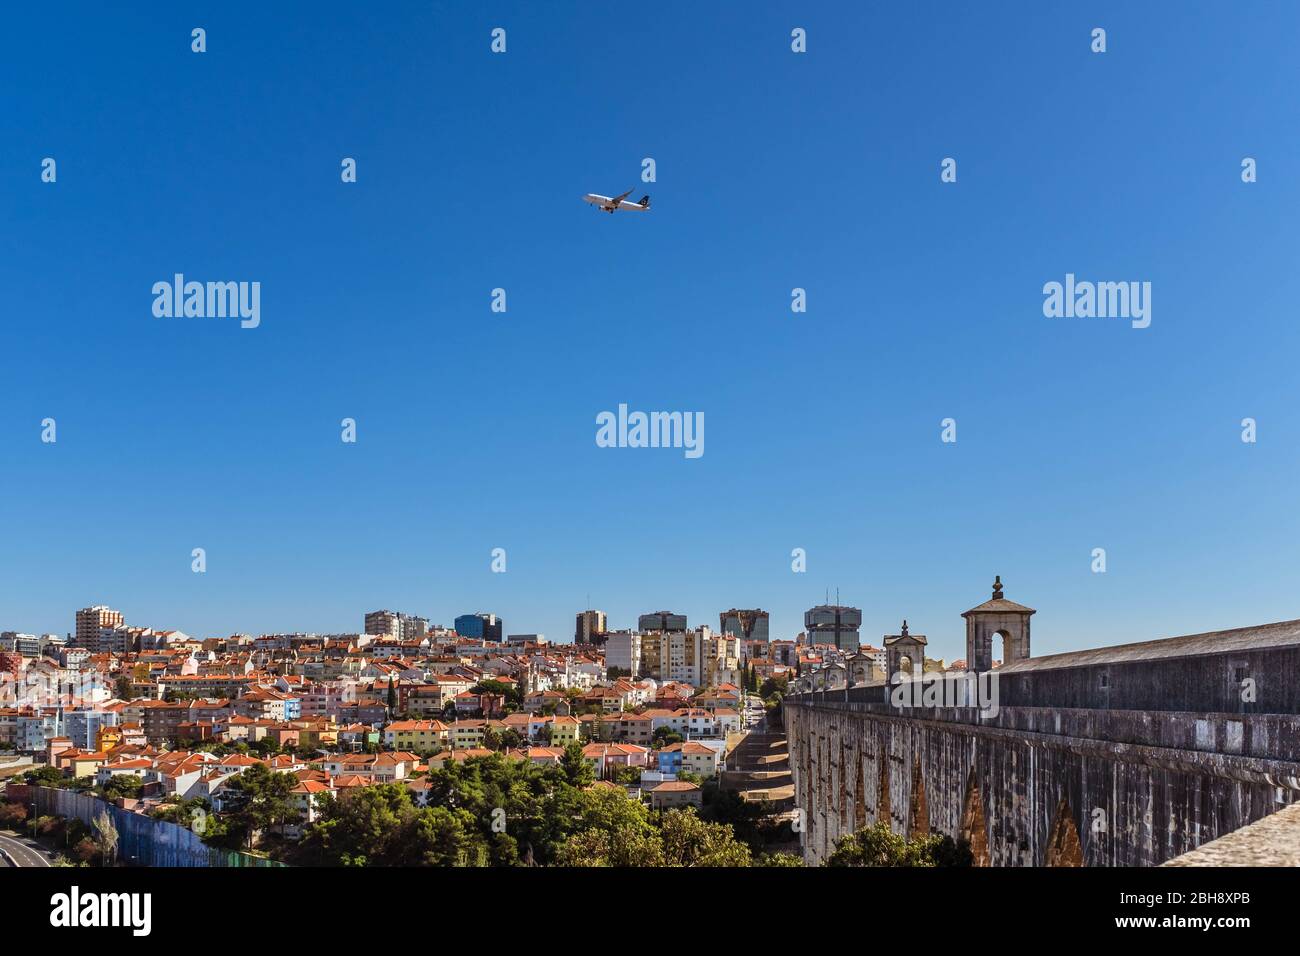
(775,170)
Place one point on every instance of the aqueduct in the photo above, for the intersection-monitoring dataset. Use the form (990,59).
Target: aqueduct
(1119,756)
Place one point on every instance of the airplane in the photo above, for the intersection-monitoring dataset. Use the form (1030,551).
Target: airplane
(610,203)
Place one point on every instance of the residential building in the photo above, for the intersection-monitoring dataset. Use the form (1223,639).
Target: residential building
(524,640)
(27,645)
(394,624)
(608,758)
(417,736)
(669,794)
(623,652)
(384,624)
(564,731)
(693,657)
(83,727)
(691,757)
(91,620)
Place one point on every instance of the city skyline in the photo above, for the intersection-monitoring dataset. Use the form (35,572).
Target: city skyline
(945,647)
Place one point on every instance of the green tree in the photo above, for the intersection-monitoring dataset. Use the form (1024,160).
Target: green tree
(122,785)
(436,836)
(690,841)
(266,747)
(509,692)
(263,802)
(576,768)
(663,736)
(746,818)
(603,848)
(779,859)
(381,826)
(358,828)
(877,845)
(613,831)
(627,776)
(630,838)
(44,777)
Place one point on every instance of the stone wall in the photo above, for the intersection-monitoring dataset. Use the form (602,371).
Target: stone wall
(1037,786)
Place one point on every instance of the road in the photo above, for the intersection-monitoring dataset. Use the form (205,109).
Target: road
(21,851)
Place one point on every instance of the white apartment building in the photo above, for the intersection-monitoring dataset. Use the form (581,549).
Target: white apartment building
(623,650)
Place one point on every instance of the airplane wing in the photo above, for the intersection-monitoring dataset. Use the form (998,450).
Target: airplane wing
(618,199)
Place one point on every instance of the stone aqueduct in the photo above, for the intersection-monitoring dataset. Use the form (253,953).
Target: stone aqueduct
(1120,756)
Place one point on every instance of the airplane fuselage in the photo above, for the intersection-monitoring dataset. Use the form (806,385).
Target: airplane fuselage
(611,203)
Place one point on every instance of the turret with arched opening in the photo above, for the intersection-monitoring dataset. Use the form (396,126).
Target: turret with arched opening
(996,617)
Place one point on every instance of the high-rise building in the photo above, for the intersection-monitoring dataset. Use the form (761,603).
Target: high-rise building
(485,627)
(90,620)
(661,621)
(680,655)
(623,650)
(746,625)
(697,657)
(721,659)
(590,628)
(414,627)
(833,624)
(384,624)
(394,624)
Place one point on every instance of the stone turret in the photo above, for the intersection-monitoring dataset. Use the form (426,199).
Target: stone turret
(996,617)
(899,646)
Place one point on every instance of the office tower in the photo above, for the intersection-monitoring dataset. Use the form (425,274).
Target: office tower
(746,625)
(833,624)
(484,627)
(661,621)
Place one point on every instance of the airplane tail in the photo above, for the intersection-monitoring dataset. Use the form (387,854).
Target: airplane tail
(644,201)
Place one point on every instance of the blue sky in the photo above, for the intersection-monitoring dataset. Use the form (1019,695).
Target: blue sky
(774,170)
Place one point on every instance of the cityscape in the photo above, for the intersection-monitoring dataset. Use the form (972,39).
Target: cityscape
(258,745)
(362,545)
(410,743)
